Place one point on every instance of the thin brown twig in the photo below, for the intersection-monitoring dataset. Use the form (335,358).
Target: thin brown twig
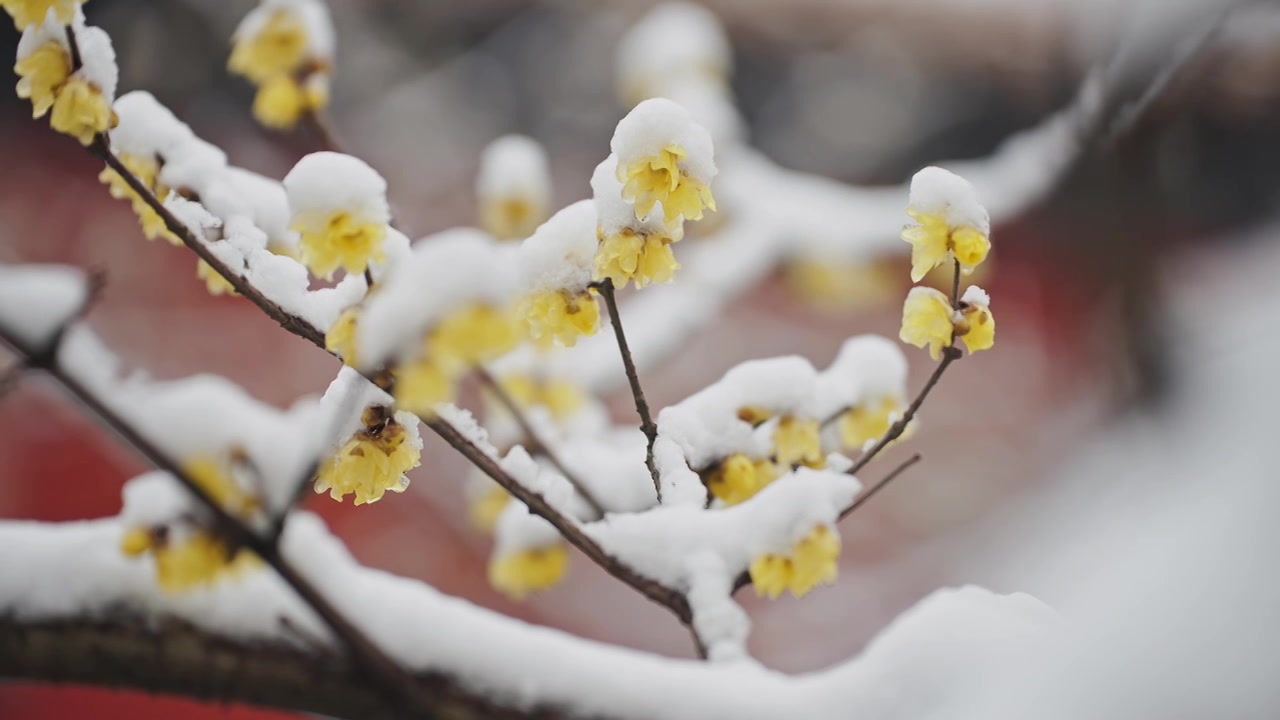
(871,491)
(380,668)
(647,425)
(537,445)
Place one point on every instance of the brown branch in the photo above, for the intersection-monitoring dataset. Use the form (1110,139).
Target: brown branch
(871,491)
(647,426)
(377,667)
(537,445)
(174,657)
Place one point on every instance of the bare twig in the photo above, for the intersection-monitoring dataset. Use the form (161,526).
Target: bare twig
(537,445)
(379,667)
(871,491)
(647,426)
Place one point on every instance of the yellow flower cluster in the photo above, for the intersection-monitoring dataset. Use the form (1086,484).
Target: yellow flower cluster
(560,316)
(330,239)
(79,108)
(797,441)
(512,217)
(33,12)
(370,462)
(214,282)
(290,84)
(929,319)
(644,257)
(341,337)
(473,335)
(812,562)
(519,573)
(660,179)
(738,478)
(933,240)
(197,556)
(561,398)
(147,170)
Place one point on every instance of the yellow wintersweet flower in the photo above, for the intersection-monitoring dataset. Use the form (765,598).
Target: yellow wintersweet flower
(41,74)
(519,573)
(869,420)
(276,49)
(559,316)
(81,111)
(630,255)
(341,337)
(213,281)
(147,170)
(978,329)
(927,320)
(215,478)
(738,478)
(660,179)
(511,218)
(330,240)
(421,385)
(933,240)
(32,12)
(797,442)
(279,102)
(483,509)
(200,558)
(561,398)
(812,562)
(475,334)
(840,286)
(371,462)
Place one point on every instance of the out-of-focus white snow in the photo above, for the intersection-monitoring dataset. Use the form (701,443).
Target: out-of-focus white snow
(37,301)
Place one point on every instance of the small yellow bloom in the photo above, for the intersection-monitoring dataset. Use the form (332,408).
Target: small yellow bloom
(841,286)
(330,240)
(927,320)
(520,573)
(215,478)
(629,255)
(41,74)
(754,415)
(561,398)
(213,281)
(511,218)
(277,49)
(979,328)
(33,12)
(660,179)
(81,111)
(559,316)
(473,335)
(198,559)
(869,420)
(933,240)
(484,509)
(371,462)
(341,338)
(811,563)
(147,170)
(279,103)
(738,478)
(422,385)
(798,442)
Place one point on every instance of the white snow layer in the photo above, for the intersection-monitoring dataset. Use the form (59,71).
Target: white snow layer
(672,41)
(656,124)
(37,301)
(922,666)
(561,252)
(312,14)
(327,181)
(935,191)
(514,166)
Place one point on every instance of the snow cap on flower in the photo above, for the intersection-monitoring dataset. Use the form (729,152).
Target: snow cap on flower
(556,265)
(513,187)
(147,127)
(338,205)
(673,42)
(949,222)
(664,157)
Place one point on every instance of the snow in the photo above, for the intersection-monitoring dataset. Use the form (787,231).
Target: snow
(656,124)
(721,624)
(147,128)
(671,42)
(445,272)
(38,301)
(924,665)
(514,166)
(315,18)
(518,529)
(706,425)
(974,295)
(935,191)
(561,252)
(327,181)
(867,367)
(36,36)
(98,60)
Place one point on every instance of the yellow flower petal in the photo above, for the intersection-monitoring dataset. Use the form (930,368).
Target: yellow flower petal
(981,333)
(797,442)
(41,74)
(926,320)
(330,240)
(812,562)
(520,573)
(81,111)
